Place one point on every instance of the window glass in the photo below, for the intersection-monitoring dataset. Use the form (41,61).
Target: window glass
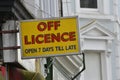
(88,3)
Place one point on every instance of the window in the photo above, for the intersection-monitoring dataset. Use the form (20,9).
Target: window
(91,7)
(88,6)
(88,3)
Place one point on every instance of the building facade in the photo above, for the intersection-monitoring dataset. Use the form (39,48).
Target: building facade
(99,27)
(63,68)
(99,38)
(12,11)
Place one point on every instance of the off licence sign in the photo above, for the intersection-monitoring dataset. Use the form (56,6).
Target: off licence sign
(49,37)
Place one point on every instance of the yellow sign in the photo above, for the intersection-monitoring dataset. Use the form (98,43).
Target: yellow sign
(49,37)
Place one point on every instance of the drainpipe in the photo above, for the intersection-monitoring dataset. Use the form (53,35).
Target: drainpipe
(49,68)
(60,8)
(117,42)
(1,43)
(82,68)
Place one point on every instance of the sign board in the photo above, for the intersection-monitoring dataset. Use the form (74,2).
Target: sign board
(49,37)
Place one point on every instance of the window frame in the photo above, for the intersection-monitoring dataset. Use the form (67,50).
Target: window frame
(103,6)
(95,7)
(102,11)
(88,10)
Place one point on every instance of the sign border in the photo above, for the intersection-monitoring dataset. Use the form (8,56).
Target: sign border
(51,55)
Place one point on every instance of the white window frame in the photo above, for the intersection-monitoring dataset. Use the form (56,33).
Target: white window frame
(90,9)
(102,8)
(87,10)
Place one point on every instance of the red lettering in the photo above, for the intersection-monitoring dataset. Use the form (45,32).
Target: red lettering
(26,40)
(38,37)
(42,26)
(72,36)
(65,37)
(50,38)
(55,37)
(56,24)
(50,24)
(47,38)
(33,39)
